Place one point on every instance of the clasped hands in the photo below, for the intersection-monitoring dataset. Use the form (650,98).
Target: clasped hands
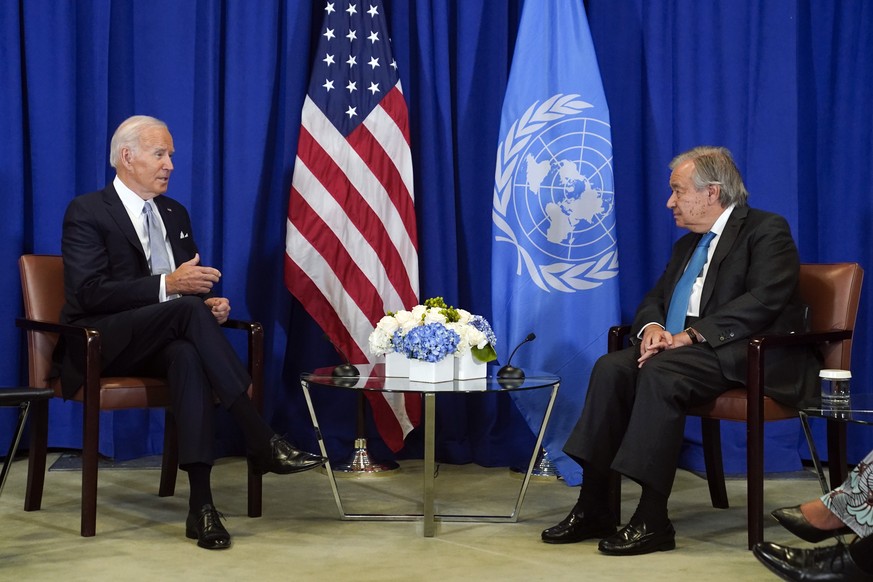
(192,279)
(657,339)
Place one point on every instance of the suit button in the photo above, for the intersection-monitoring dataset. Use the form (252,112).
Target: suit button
(721,338)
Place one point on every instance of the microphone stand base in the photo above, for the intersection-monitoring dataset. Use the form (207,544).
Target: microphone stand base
(360,463)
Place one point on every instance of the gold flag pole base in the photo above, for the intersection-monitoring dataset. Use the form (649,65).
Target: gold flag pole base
(360,463)
(543,468)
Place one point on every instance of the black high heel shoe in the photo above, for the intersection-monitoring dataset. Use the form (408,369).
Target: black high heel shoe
(791,518)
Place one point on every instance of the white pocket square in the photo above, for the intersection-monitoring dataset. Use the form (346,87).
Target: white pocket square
(183,235)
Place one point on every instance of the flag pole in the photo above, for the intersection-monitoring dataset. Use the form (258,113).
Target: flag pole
(360,463)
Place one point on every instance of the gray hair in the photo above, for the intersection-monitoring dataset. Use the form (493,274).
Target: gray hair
(128,134)
(715,166)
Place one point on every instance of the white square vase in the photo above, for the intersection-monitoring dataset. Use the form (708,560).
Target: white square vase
(396,365)
(442,371)
(469,368)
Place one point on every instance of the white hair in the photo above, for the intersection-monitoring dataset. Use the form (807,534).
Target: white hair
(128,135)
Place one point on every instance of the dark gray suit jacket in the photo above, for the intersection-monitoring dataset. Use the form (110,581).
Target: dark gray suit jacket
(751,288)
(106,273)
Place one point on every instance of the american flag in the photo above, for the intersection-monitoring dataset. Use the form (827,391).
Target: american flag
(351,243)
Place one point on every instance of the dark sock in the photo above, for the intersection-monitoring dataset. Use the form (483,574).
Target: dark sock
(862,554)
(652,508)
(593,493)
(201,489)
(256,432)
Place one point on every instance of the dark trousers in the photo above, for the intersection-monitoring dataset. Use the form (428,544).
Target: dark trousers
(181,341)
(634,418)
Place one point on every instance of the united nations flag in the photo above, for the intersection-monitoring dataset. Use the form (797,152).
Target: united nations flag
(554,260)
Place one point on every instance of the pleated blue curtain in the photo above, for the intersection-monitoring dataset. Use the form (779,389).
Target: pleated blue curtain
(785,85)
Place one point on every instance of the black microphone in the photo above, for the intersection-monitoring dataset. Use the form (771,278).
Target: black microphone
(346,370)
(509,371)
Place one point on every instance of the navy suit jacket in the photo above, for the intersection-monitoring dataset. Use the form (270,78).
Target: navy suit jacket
(751,287)
(106,273)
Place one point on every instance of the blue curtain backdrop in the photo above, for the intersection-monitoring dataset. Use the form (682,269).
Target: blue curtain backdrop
(786,85)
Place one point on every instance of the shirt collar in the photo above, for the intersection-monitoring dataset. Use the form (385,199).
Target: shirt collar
(721,221)
(132,202)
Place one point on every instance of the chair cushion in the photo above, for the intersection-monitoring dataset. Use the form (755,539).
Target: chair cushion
(732,405)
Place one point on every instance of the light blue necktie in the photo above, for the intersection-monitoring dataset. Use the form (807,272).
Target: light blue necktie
(160,260)
(682,293)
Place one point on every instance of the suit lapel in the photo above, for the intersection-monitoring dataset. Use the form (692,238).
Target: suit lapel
(119,214)
(175,232)
(725,244)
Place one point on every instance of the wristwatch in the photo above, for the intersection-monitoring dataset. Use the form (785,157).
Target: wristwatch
(693,335)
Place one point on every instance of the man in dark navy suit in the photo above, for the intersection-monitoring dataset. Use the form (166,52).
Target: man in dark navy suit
(689,347)
(132,270)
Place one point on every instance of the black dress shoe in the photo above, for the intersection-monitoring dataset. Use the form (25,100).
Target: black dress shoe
(638,538)
(284,459)
(206,528)
(791,518)
(829,563)
(576,527)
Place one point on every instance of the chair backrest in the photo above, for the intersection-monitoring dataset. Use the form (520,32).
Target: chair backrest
(832,292)
(42,287)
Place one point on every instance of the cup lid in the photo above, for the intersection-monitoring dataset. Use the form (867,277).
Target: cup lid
(835,374)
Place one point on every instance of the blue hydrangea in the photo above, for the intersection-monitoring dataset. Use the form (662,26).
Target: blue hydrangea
(430,342)
(482,325)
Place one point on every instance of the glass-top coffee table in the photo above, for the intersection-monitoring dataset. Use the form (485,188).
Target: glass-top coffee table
(372,378)
(859,410)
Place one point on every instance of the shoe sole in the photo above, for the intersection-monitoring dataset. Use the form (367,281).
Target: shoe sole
(260,472)
(192,535)
(592,536)
(662,547)
(766,562)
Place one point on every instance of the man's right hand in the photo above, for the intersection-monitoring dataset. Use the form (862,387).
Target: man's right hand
(191,279)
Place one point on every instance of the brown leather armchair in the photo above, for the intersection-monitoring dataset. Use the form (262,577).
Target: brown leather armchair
(42,283)
(832,292)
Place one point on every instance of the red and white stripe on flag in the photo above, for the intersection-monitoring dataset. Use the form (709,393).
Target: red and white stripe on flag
(351,243)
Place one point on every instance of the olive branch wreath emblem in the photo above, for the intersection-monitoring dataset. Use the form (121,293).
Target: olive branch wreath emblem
(560,276)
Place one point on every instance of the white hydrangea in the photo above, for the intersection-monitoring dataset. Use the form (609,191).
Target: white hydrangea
(380,339)
(470,337)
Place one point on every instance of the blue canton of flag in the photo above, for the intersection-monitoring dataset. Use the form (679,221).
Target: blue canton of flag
(353,67)
(555,263)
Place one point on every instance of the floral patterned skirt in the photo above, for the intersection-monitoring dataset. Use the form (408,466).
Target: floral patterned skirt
(852,501)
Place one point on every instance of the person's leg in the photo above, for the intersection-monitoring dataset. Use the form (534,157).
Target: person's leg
(593,443)
(667,386)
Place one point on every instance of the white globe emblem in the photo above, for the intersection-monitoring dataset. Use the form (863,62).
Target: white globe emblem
(554,198)
(563,195)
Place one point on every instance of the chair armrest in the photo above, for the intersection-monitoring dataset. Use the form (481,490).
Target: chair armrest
(91,354)
(616,338)
(758,345)
(800,339)
(55,327)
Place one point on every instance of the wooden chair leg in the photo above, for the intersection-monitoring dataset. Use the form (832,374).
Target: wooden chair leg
(755,481)
(36,458)
(90,444)
(711,432)
(255,492)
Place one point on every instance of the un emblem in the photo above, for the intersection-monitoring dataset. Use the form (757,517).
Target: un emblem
(553,195)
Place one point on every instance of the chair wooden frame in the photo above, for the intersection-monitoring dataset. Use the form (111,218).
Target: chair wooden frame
(41,322)
(833,333)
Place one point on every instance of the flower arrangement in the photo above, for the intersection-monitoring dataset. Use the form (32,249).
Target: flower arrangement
(432,331)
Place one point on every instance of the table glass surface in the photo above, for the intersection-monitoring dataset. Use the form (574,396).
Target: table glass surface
(371,378)
(859,410)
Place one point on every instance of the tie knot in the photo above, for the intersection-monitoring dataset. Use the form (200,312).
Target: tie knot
(706,239)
